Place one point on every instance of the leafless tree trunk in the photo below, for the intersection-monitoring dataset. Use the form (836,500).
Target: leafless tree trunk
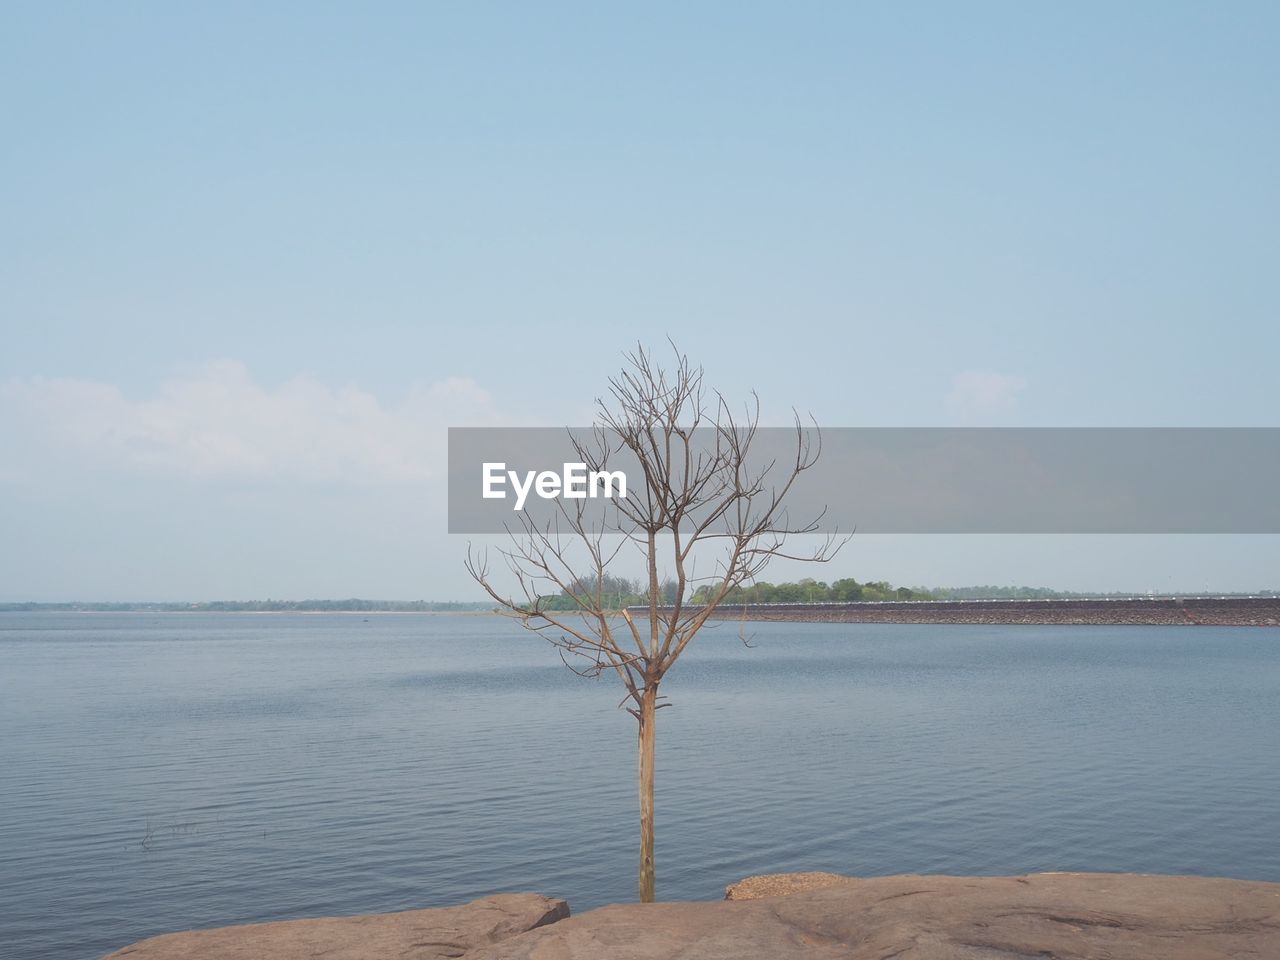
(699,495)
(648,734)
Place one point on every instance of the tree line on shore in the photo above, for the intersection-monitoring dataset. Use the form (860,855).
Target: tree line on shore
(619,592)
(353,605)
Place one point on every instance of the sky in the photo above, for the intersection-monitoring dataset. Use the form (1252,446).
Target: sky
(256,258)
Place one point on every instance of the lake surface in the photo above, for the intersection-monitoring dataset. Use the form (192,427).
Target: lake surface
(166,771)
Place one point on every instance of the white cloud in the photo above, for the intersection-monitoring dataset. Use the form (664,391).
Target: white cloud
(221,423)
(981,392)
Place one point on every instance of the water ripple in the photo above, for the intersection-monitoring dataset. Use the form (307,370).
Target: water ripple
(177,771)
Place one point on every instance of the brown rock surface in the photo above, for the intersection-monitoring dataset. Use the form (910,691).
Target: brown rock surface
(410,935)
(1064,916)
(782,884)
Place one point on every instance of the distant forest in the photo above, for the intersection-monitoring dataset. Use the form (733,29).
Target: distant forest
(619,592)
(622,592)
(266,606)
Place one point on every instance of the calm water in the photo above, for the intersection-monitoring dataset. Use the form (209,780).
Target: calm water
(161,772)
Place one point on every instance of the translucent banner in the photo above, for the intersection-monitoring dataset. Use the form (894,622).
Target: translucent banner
(889,480)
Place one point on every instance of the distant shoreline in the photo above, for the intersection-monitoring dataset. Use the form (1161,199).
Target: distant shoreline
(166,608)
(1252,611)
(1162,611)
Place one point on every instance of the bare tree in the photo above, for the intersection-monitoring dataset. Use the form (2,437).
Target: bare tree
(701,497)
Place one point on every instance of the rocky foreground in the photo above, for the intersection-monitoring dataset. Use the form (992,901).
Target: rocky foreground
(791,916)
(412,934)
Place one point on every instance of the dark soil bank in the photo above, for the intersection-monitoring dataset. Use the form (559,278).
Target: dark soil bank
(1220,611)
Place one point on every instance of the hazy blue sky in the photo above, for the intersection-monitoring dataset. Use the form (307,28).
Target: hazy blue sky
(254,258)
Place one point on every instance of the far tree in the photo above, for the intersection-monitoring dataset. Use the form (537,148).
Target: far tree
(702,498)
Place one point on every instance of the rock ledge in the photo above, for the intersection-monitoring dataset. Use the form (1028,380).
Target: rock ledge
(435,934)
(1050,916)
(812,916)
